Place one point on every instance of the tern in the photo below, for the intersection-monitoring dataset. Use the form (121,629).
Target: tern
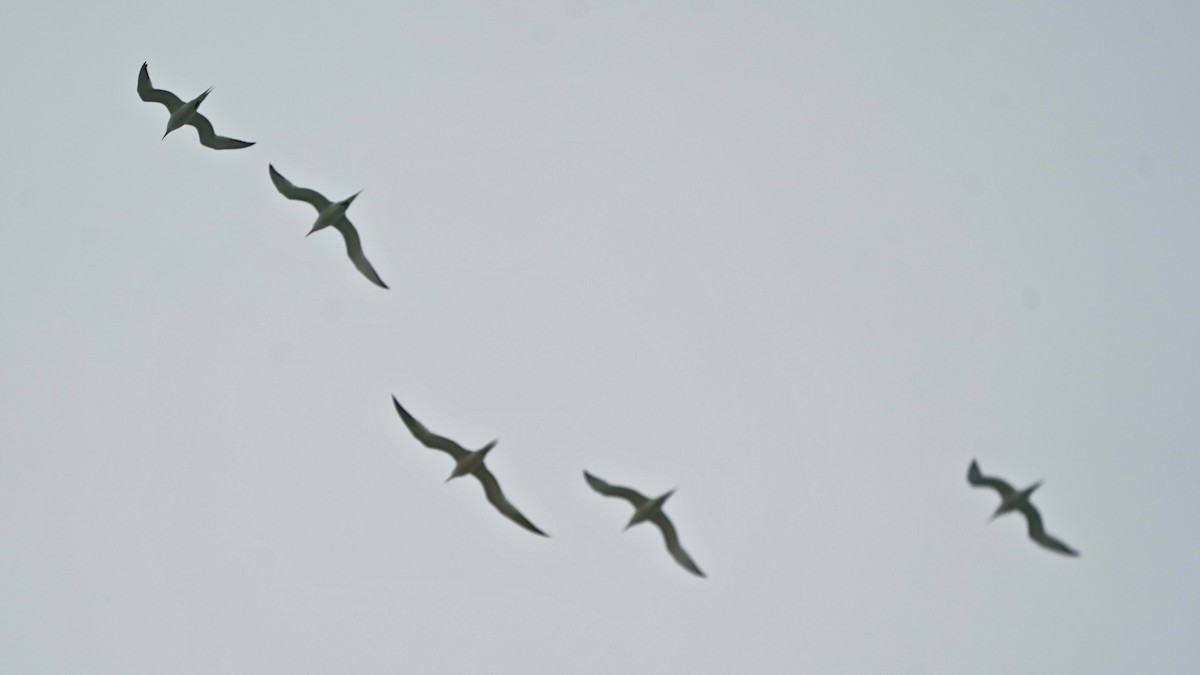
(330,214)
(648,509)
(467,462)
(186,113)
(1018,500)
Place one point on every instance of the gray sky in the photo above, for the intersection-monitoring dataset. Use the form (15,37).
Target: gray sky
(802,263)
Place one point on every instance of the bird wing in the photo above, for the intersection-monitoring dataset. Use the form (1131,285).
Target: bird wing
(631,496)
(151,95)
(210,138)
(1037,531)
(355,251)
(427,437)
(660,519)
(290,191)
(976,478)
(494,495)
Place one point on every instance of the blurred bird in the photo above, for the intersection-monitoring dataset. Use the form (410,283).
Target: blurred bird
(331,214)
(467,462)
(648,509)
(1018,500)
(185,113)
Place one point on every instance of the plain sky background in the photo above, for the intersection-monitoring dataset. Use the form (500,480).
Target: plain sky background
(801,261)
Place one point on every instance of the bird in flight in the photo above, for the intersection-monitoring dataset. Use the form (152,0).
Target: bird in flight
(648,509)
(186,113)
(467,462)
(331,214)
(1018,500)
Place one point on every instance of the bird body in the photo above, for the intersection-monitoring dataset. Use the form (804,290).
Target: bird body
(646,509)
(467,462)
(1012,499)
(649,509)
(185,113)
(330,214)
(470,462)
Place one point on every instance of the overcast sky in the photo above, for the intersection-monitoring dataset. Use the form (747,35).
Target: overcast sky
(800,261)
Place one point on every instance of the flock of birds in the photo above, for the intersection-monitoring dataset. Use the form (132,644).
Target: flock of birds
(333,214)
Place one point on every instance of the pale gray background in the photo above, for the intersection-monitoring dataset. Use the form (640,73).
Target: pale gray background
(800,261)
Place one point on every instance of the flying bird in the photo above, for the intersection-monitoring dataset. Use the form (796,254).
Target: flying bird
(467,462)
(1018,500)
(330,214)
(648,509)
(186,113)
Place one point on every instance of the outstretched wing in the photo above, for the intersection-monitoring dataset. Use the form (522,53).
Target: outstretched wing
(290,191)
(1037,531)
(494,495)
(355,251)
(672,539)
(631,496)
(427,437)
(209,137)
(976,478)
(151,95)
